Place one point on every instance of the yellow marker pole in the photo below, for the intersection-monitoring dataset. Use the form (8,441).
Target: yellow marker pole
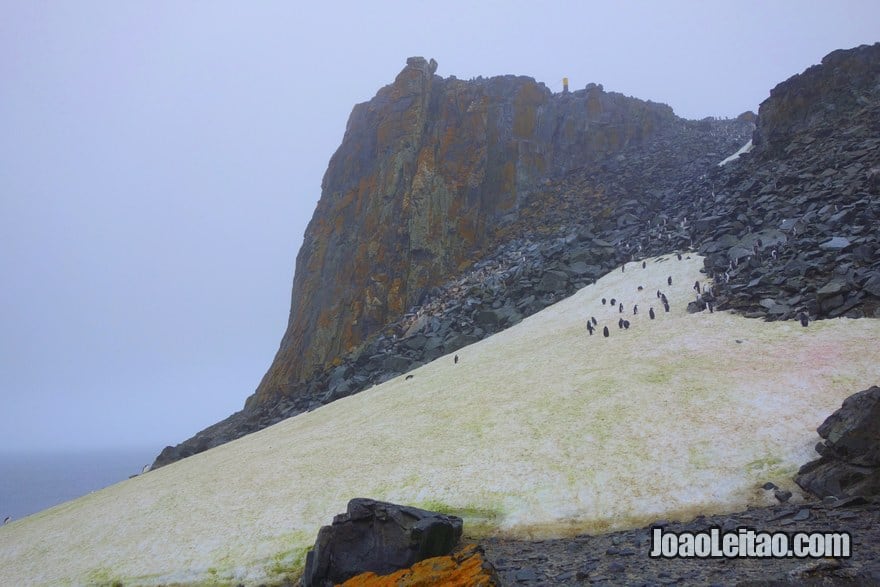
(565,85)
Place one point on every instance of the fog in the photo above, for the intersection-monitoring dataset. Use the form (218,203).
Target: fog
(159,162)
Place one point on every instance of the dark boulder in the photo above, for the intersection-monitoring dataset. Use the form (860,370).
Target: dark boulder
(553,281)
(696,306)
(850,461)
(380,537)
(396,363)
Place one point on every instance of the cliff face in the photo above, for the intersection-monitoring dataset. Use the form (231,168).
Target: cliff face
(427,171)
(846,81)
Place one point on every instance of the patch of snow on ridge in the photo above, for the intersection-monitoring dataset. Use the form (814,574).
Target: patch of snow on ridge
(540,430)
(744,149)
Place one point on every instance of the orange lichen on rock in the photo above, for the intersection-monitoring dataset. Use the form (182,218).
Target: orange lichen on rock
(525,110)
(465,568)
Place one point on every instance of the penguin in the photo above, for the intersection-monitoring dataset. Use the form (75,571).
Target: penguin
(805,320)
(613,302)
(664,300)
(635,309)
(623,268)
(408,377)
(679,258)
(455,360)
(651,312)
(595,322)
(620,323)
(710,305)
(659,294)
(626,324)
(620,308)
(697,286)
(590,328)
(640,288)
(666,306)
(603,301)
(644,264)
(605,332)
(669,280)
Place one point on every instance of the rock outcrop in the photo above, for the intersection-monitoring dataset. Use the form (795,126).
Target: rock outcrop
(378,537)
(850,461)
(427,171)
(845,81)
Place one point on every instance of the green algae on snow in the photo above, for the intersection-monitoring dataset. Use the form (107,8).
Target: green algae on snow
(533,433)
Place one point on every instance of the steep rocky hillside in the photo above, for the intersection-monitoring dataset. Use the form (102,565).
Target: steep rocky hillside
(787,228)
(427,171)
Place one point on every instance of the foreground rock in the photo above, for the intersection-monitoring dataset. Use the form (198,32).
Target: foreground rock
(465,568)
(379,537)
(850,462)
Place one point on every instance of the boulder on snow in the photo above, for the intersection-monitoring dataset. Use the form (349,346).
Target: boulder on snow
(379,537)
(850,461)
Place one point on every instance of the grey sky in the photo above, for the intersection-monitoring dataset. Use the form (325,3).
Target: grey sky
(159,162)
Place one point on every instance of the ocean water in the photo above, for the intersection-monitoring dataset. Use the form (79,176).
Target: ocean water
(33,481)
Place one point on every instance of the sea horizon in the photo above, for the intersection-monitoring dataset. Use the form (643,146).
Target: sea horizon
(33,480)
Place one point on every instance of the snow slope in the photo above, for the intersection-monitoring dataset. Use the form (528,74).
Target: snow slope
(747,148)
(539,430)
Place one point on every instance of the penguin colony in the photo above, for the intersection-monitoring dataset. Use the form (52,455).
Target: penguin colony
(704,293)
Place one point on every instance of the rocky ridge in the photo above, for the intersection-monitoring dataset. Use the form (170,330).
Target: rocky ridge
(787,231)
(427,171)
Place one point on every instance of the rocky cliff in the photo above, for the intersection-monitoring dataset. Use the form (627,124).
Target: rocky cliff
(427,171)
(787,229)
(845,81)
